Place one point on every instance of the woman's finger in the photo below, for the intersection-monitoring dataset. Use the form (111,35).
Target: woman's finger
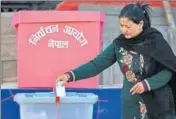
(136,90)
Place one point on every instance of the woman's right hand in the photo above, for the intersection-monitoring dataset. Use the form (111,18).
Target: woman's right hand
(63,78)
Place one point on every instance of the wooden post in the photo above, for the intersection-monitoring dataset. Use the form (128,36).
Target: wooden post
(171,26)
(1,77)
(168,13)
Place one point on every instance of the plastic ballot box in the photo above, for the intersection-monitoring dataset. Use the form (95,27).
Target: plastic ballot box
(50,43)
(42,105)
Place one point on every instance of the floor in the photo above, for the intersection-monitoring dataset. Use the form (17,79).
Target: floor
(11,85)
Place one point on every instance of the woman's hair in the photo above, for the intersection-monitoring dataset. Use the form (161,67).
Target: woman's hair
(137,12)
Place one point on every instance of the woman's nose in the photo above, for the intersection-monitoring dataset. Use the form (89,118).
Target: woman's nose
(124,30)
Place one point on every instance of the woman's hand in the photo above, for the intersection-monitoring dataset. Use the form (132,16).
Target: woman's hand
(64,78)
(138,88)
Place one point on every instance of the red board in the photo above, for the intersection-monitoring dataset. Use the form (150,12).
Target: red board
(50,43)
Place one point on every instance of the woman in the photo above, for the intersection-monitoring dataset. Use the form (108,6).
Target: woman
(145,59)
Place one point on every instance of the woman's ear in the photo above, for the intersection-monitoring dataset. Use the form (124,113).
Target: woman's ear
(141,25)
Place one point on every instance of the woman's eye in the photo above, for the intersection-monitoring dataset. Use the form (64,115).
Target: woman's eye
(128,27)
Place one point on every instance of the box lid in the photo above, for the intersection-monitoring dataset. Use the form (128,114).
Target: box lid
(49,97)
(56,16)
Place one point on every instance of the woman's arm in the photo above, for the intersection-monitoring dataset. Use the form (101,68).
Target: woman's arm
(102,61)
(158,80)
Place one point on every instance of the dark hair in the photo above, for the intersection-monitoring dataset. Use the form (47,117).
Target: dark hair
(137,12)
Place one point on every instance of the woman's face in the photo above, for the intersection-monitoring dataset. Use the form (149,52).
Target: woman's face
(129,28)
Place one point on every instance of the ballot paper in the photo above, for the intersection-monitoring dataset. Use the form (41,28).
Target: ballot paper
(60,89)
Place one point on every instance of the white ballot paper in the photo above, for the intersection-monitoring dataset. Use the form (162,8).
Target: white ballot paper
(60,89)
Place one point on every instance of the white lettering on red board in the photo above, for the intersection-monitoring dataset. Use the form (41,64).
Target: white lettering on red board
(43,31)
(34,38)
(76,34)
(57,44)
